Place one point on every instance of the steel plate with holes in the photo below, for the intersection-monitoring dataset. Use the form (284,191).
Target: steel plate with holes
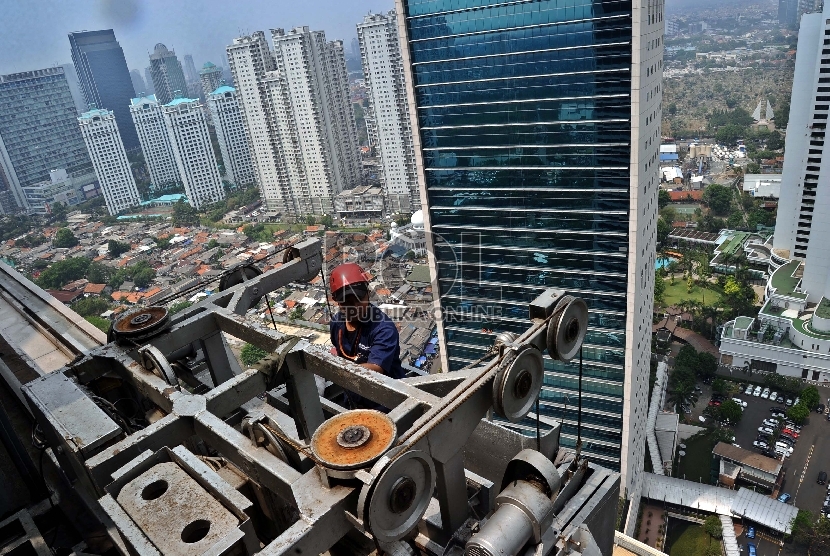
(178,516)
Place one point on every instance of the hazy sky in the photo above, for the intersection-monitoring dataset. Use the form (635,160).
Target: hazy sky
(33,32)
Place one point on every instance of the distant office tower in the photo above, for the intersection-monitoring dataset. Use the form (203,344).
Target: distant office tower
(167,74)
(211,78)
(74,87)
(355,49)
(104,77)
(788,13)
(390,130)
(148,82)
(230,133)
(38,133)
(296,108)
(155,142)
(190,69)
(807,7)
(190,139)
(138,82)
(537,146)
(103,141)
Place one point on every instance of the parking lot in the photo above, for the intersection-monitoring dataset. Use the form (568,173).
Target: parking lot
(810,456)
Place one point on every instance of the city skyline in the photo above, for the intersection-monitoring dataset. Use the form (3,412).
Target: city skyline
(140,26)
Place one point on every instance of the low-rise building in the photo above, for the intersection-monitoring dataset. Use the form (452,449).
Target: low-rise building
(364,203)
(59,188)
(734,464)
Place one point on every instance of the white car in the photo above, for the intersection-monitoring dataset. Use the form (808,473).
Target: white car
(782,453)
(702,419)
(765,393)
(773,395)
(765,430)
(770,423)
(783,447)
(749,390)
(760,444)
(757,391)
(740,402)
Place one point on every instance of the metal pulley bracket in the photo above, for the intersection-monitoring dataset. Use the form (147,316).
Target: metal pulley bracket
(239,274)
(396,500)
(154,360)
(518,382)
(567,327)
(139,326)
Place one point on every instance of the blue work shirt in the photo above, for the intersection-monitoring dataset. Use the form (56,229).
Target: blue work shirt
(375,342)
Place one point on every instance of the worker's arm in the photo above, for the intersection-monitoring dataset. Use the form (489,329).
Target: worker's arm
(373,367)
(385,347)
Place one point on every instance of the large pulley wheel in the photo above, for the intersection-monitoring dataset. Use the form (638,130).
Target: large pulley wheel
(239,274)
(353,440)
(566,330)
(139,326)
(393,504)
(517,383)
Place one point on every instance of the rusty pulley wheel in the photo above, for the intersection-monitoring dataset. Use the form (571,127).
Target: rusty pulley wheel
(140,325)
(354,439)
(239,274)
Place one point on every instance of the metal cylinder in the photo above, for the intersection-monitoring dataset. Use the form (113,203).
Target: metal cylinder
(504,534)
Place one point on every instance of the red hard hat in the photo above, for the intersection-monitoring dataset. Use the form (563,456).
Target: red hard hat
(345,275)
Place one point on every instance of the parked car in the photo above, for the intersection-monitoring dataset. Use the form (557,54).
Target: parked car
(780,446)
(702,419)
(749,389)
(757,391)
(789,402)
(770,423)
(822,478)
(714,403)
(740,402)
(789,432)
(765,430)
(773,395)
(750,532)
(780,399)
(785,440)
(784,497)
(795,401)
(750,549)
(765,393)
(820,408)
(760,444)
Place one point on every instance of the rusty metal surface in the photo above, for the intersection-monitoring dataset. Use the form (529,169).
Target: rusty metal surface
(177,514)
(353,439)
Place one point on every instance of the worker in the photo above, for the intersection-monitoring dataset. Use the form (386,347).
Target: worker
(360,331)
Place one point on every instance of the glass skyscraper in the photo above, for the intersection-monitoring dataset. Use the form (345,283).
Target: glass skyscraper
(538,131)
(104,77)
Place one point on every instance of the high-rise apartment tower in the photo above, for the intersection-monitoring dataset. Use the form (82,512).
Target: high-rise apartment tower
(190,139)
(538,129)
(211,77)
(138,82)
(190,69)
(390,130)
(167,74)
(106,149)
(104,77)
(298,115)
(155,142)
(38,133)
(230,133)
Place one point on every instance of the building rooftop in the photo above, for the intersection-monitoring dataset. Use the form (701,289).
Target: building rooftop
(94,112)
(784,280)
(139,100)
(747,458)
(181,100)
(223,89)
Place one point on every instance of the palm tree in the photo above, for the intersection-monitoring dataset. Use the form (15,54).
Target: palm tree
(681,395)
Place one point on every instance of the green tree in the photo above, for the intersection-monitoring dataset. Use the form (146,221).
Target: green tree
(64,271)
(64,238)
(719,386)
(731,411)
(663,199)
(143,277)
(59,212)
(212,243)
(310,220)
(713,527)
(707,364)
(185,215)
(99,322)
(91,306)
(178,307)
(718,198)
(659,288)
(810,397)
(327,221)
(753,168)
(798,413)
(117,248)
(250,354)
(663,231)
(98,273)
(811,533)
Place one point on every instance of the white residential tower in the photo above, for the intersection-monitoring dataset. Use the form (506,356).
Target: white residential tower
(230,133)
(188,132)
(103,141)
(155,142)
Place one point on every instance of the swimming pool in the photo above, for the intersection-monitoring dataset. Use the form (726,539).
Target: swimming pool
(664,262)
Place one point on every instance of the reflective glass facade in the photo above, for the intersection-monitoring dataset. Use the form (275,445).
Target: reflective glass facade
(524,113)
